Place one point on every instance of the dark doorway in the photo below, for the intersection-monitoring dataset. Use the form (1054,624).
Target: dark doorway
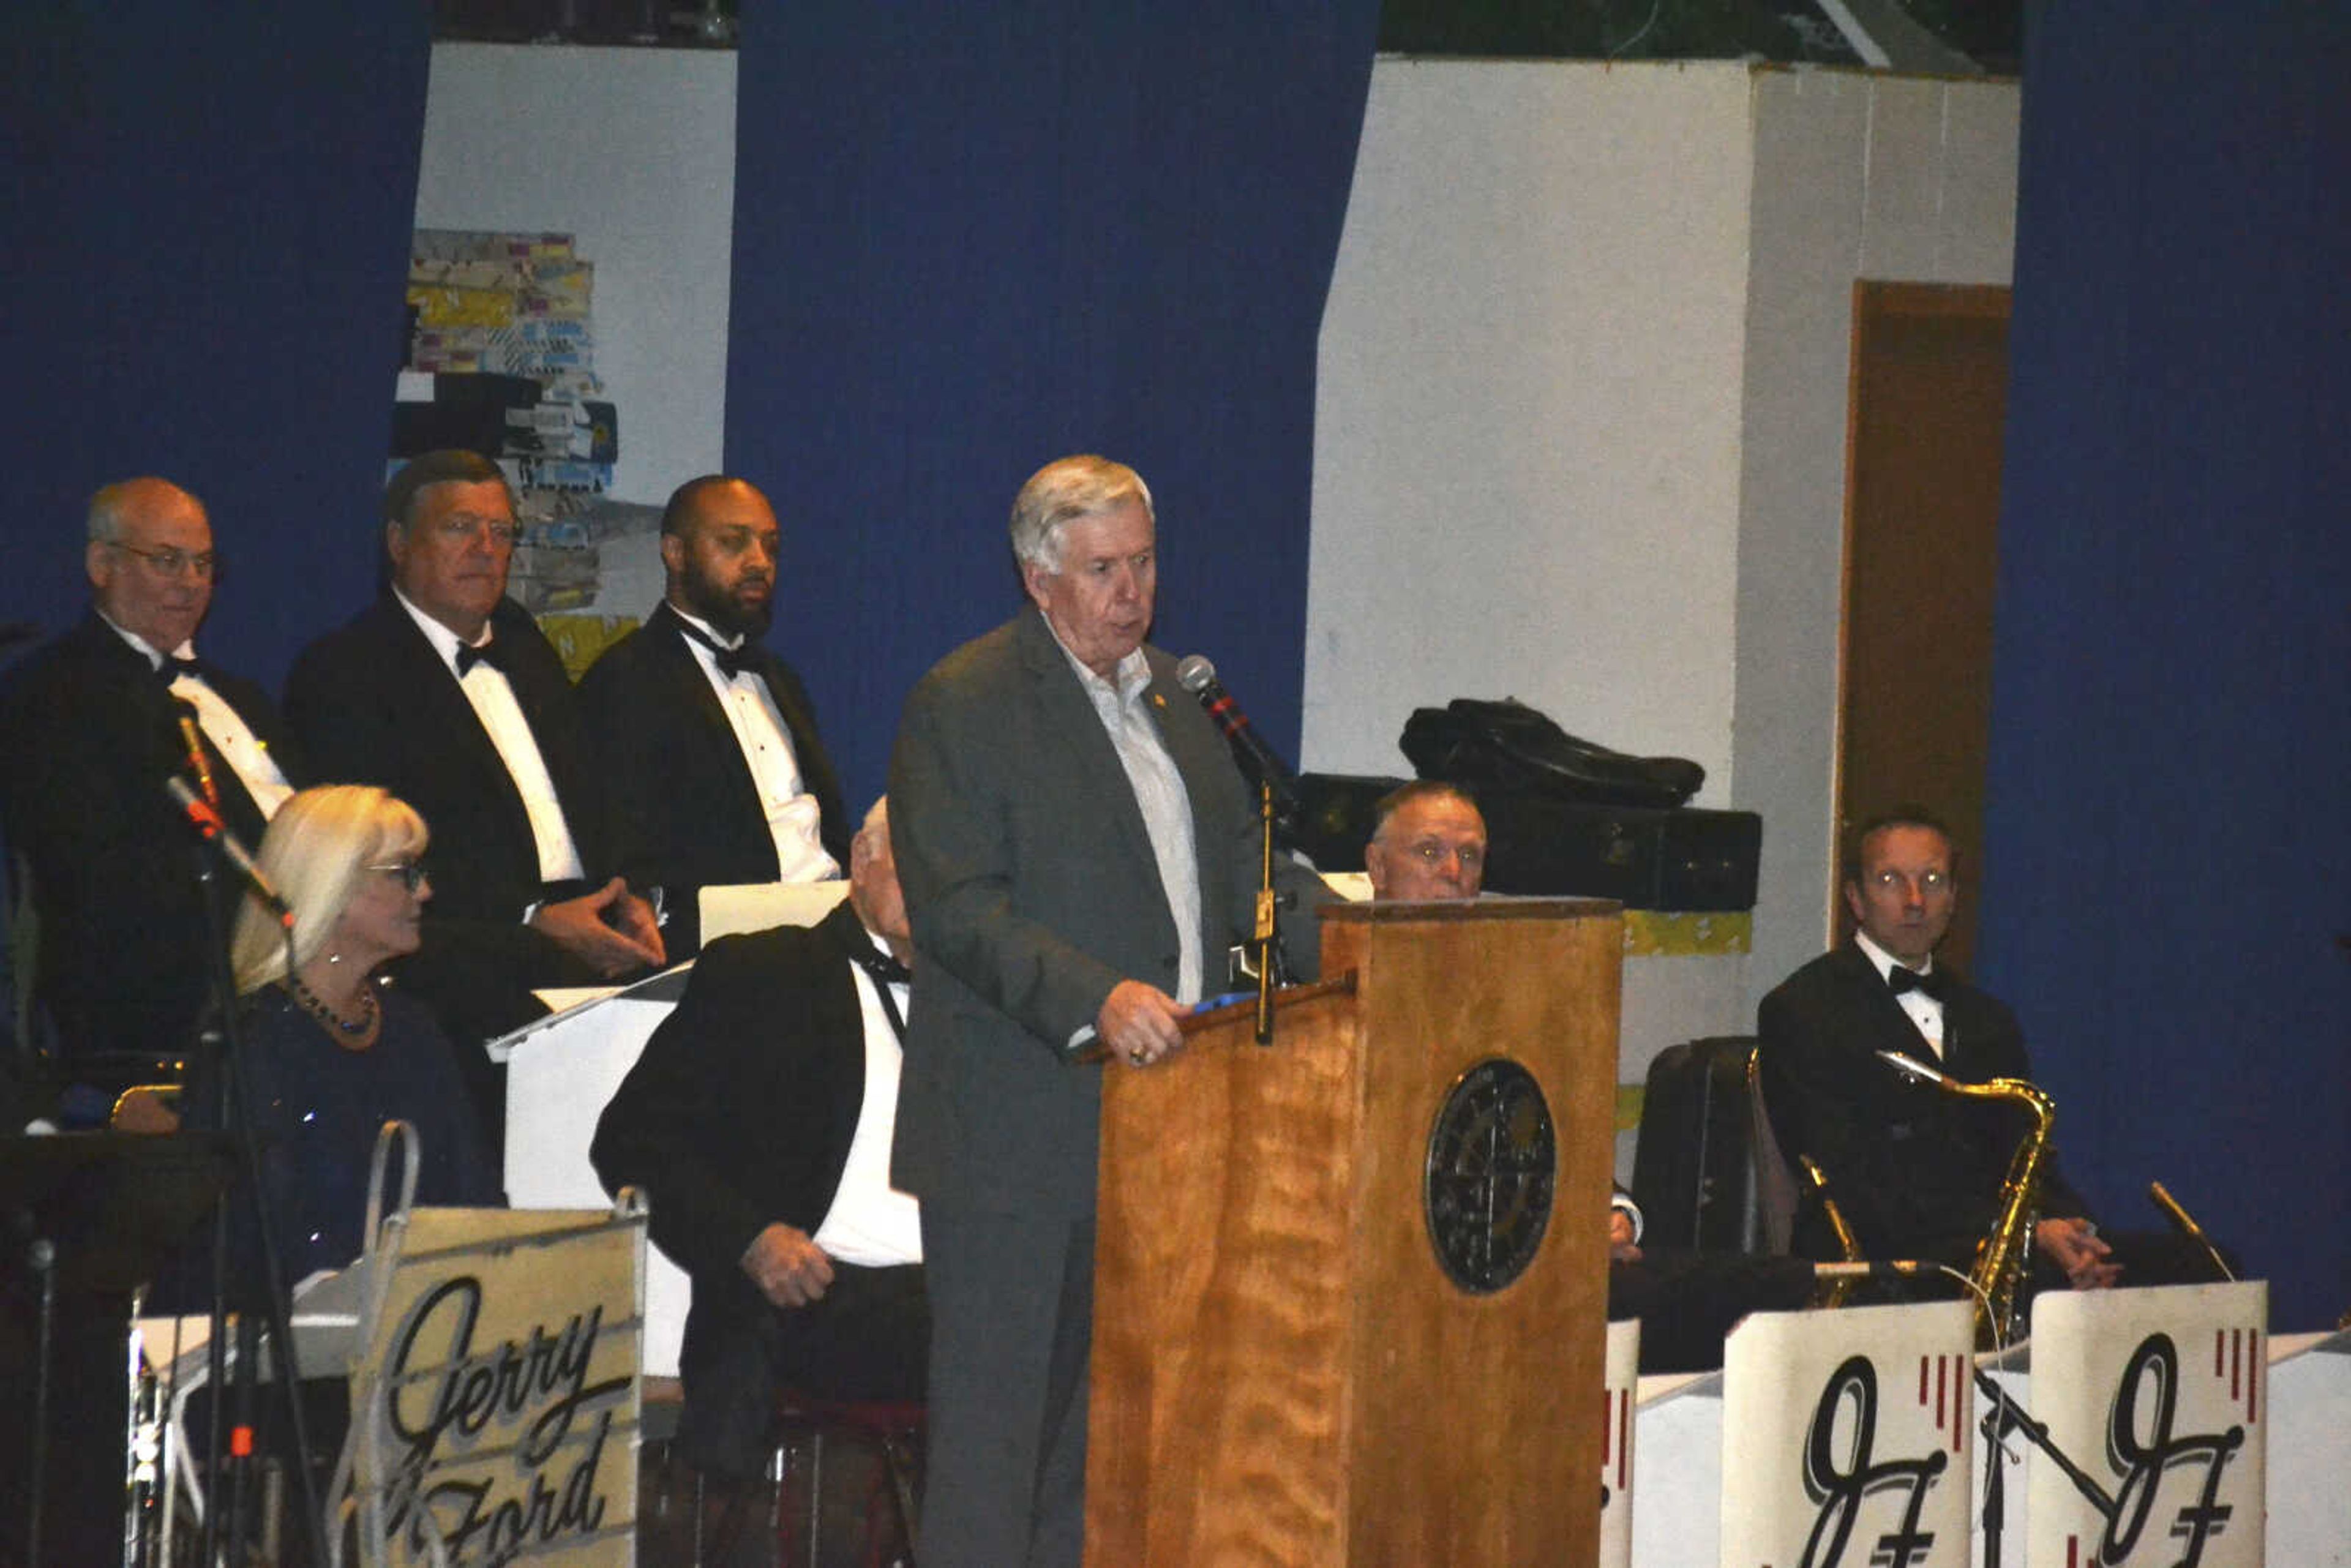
(1929,398)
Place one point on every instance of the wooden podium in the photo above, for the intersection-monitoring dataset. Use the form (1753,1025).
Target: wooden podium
(1284,1371)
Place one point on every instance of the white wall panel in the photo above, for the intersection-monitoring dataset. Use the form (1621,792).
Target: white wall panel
(1526,464)
(632,153)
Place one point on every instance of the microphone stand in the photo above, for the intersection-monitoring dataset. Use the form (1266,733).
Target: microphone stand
(1263,937)
(42,1254)
(1995,1502)
(236,1118)
(2005,1416)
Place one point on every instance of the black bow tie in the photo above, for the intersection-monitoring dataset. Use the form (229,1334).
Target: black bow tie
(173,667)
(489,653)
(1935,982)
(731,662)
(883,966)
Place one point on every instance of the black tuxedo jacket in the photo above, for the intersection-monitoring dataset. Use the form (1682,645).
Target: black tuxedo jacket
(373,704)
(1917,1171)
(88,735)
(681,808)
(740,1113)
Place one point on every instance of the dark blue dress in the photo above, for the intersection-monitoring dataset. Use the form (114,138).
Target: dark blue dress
(317,1111)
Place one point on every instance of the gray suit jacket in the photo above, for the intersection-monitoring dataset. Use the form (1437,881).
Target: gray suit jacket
(1033,891)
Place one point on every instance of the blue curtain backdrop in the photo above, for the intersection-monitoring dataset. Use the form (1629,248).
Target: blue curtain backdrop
(206,249)
(972,238)
(2169,827)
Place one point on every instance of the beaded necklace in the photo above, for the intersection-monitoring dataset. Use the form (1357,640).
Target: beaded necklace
(353,1034)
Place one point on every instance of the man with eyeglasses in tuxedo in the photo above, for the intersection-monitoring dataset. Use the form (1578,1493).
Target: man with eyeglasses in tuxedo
(1915,1172)
(92,724)
(445,692)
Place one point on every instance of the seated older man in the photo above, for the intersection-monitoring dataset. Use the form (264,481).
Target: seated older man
(91,725)
(1428,841)
(759,1121)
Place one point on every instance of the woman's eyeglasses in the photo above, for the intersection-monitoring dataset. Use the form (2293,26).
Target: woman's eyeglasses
(412,874)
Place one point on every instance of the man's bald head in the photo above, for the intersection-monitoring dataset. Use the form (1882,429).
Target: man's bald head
(150,559)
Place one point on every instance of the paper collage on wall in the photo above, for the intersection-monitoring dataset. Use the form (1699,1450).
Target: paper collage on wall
(501,361)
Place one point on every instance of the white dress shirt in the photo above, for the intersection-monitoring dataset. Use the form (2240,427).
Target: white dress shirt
(246,753)
(871,1223)
(493,699)
(1159,792)
(794,820)
(1924,1011)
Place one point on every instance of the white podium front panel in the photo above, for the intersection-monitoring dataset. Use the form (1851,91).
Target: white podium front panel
(2157,1398)
(1616,1477)
(1847,1437)
(2307,1409)
(2310,1451)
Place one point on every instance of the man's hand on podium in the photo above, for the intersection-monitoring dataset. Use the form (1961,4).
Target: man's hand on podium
(1139,1024)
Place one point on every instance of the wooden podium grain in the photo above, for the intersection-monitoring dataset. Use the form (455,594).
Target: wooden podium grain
(1283,1374)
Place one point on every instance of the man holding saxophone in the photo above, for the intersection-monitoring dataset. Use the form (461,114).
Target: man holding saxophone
(1915,1170)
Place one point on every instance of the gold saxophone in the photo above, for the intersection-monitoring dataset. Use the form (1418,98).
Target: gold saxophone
(2007,1248)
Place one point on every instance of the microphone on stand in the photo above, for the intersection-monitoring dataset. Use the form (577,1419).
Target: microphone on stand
(1264,768)
(197,762)
(199,814)
(1278,804)
(2189,1228)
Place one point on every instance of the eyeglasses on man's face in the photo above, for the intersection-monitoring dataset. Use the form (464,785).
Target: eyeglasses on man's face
(172,562)
(1899,881)
(1435,853)
(462,527)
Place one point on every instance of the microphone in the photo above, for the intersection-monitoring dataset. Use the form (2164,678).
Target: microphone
(1257,759)
(2189,1228)
(200,815)
(1914,1067)
(196,759)
(1891,1268)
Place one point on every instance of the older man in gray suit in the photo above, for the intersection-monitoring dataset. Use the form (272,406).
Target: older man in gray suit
(1078,851)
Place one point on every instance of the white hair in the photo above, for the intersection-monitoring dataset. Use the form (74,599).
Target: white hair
(1063,490)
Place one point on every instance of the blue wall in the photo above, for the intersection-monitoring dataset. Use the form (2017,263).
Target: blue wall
(2169,827)
(205,255)
(969,239)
